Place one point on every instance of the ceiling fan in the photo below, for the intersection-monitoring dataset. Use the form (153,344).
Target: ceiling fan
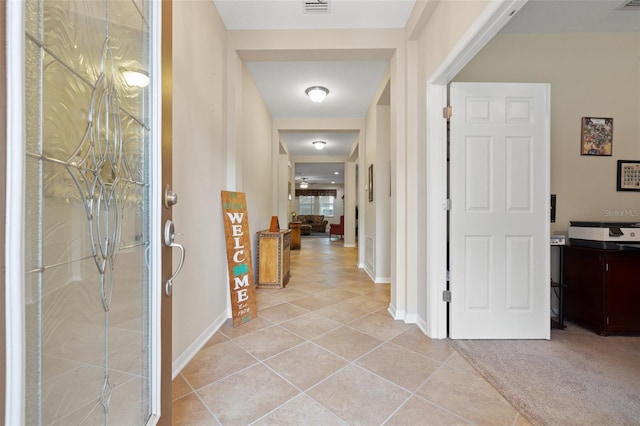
(316,6)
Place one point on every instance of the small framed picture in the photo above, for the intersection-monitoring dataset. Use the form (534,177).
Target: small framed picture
(628,175)
(371,182)
(596,136)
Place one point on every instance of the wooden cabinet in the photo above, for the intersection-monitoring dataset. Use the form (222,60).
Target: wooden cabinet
(602,289)
(296,236)
(273,254)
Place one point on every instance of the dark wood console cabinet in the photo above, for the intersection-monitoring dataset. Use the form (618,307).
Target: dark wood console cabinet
(602,289)
(296,238)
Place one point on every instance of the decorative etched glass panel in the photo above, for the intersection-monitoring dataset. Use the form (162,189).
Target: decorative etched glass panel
(87,178)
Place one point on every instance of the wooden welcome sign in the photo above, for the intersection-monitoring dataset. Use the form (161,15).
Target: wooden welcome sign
(239,260)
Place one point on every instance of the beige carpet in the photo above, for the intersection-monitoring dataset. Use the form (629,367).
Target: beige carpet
(576,378)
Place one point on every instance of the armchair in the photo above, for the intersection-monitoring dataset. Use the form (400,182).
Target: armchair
(337,228)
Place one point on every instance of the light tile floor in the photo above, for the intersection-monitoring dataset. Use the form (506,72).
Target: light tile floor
(325,351)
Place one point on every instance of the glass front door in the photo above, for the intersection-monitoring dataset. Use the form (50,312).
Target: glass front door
(88,191)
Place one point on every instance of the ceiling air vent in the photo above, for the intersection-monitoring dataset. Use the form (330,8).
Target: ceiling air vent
(630,5)
(318,6)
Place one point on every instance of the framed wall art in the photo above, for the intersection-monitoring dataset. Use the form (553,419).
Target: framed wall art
(371,182)
(628,177)
(596,136)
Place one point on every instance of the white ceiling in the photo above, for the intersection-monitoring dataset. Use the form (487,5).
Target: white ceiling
(338,144)
(290,14)
(562,16)
(353,84)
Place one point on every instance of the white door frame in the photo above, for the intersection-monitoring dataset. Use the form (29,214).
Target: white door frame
(490,21)
(14,274)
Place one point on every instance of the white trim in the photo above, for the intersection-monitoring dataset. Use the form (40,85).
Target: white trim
(376,280)
(181,362)
(395,314)
(400,315)
(411,318)
(436,317)
(14,248)
(155,217)
(484,28)
(547,185)
(422,325)
(495,15)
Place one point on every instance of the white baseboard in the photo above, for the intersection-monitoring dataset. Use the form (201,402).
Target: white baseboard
(376,280)
(422,325)
(369,272)
(191,351)
(392,310)
(411,318)
(396,314)
(402,315)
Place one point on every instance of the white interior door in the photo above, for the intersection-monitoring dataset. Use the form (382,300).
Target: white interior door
(499,219)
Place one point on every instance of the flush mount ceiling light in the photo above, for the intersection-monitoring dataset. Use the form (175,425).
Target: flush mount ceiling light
(136,78)
(318,144)
(317,93)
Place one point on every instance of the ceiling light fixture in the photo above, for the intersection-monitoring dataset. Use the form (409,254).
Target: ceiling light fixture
(136,78)
(304,184)
(317,93)
(318,144)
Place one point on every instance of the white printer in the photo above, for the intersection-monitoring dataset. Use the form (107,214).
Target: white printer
(605,235)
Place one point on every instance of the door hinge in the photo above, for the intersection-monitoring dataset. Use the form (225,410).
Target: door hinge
(446,204)
(446,296)
(447,112)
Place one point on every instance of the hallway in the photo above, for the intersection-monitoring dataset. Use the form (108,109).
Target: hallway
(325,351)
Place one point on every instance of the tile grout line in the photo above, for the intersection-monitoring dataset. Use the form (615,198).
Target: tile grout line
(314,287)
(195,392)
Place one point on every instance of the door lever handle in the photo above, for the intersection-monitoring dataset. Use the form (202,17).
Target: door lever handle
(169,241)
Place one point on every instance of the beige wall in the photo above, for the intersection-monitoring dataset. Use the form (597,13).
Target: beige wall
(593,75)
(382,196)
(367,210)
(222,141)
(257,157)
(450,20)
(199,174)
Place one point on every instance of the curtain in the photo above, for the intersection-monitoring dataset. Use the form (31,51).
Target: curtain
(317,192)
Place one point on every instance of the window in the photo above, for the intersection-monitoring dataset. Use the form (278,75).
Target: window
(316,201)
(326,205)
(306,204)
